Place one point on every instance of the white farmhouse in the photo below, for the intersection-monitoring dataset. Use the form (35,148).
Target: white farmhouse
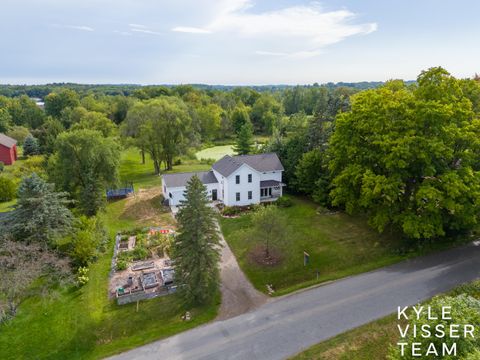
(234,180)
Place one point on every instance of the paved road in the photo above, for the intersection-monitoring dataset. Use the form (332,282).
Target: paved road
(287,325)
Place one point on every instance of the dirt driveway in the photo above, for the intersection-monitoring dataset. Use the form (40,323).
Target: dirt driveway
(238,294)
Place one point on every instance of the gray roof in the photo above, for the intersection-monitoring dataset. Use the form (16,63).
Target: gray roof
(269,183)
(7,141)
(181,179)
(260,162)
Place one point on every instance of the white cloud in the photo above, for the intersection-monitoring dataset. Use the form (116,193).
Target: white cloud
(137,26)
(123,33)
(74,27)
(308,26)
(191,30)
(145,31)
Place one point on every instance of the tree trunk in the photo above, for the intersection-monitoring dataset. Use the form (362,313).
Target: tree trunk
(157,167)
(142,151)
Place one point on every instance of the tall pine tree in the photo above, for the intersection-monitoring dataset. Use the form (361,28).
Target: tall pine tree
(196,248)
(244,139)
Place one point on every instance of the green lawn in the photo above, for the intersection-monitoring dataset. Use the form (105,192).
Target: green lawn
(338,244)
(216,152)
(370,341)
(6,206)
(70,323)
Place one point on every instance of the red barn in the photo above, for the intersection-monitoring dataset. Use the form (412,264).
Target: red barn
(8,149)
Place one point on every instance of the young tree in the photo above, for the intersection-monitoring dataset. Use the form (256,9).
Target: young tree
(84,164)
(244,139)
(196,248)
(269,227)
(41,214)
(7,189)
(30,146)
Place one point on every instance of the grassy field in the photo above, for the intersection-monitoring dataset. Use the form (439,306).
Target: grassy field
(216,152)
(370,341)
(338,245)
(71,323)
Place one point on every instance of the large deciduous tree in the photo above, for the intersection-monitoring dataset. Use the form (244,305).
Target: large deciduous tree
(410,157)
(56,102)
(196,248)
(161,127)
(84,164)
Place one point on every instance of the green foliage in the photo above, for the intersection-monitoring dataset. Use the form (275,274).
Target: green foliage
(266,111)
(30,146)
(8,189)
(84,164)
(95,121)
(464,310)
(24,112)
(312,175)
(5,120)
(410,158)
(121,264)
(195,249)
(244,140)
(41,214)
(284,202)
(2,166)
(161,128)
(239,117)
(86,240)
(209,119)
(47,134)
(18,133)
(269,227)
(56,102)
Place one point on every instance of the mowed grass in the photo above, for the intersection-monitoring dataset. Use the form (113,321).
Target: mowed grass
(371,341)
(72,323)
(143,175)
(216,152)
(338,244)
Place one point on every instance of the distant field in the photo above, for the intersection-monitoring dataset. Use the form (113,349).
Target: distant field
(216,152)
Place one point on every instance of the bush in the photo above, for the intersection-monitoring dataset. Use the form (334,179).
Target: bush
(140,253)
(2,166)
(121,264)
(284,202)
(30,146)
(18,133)
(8,189)
(231,210)
(82,277)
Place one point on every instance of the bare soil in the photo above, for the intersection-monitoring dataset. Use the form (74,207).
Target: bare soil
(258,256)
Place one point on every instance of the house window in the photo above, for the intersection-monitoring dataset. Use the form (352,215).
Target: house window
(237,195)
(170,195)
(237,179)
(249,195)
(249,178)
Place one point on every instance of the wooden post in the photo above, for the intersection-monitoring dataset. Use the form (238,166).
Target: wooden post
(138,301)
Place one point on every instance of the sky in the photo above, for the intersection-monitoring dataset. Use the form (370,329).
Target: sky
(235,42)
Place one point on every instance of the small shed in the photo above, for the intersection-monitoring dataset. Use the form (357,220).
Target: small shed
(8,149)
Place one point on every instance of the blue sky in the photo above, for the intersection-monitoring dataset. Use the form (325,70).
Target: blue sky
(235,41)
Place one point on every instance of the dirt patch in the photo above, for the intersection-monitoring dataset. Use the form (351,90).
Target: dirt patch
(257,256)
(146,207)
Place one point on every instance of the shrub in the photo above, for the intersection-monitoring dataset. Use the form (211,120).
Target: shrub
(284,202)
(8,189)
(140,253)
(18,133)
(231,210)
(30,146)
(2,166)
(121,264)
(82,277)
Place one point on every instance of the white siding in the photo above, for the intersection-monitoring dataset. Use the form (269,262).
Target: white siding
(231,188)
(178,193)
(271,175)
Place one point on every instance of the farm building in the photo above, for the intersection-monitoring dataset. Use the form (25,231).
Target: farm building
(8,149)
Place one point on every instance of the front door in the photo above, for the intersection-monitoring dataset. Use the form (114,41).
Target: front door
(214,194)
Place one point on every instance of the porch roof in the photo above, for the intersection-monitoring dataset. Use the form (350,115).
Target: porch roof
(270,183)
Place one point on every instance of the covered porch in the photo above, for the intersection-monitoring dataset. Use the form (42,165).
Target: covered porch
(270,190)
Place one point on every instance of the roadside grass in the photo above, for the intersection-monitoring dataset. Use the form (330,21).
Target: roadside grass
(72,323)
(216,152)
(339,245)
(370,341)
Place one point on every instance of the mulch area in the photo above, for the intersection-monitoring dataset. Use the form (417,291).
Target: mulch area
(257,256)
